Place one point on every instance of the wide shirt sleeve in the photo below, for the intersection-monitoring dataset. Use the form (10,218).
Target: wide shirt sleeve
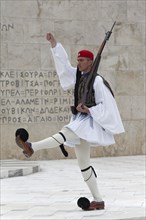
(65,71)
(106,112)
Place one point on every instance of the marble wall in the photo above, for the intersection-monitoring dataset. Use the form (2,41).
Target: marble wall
(31,96)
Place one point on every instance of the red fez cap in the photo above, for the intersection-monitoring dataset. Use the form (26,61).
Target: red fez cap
(86,53)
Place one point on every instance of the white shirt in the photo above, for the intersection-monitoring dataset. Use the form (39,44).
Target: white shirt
(99,126)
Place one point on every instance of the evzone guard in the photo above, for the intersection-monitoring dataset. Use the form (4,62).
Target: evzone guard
(94,122)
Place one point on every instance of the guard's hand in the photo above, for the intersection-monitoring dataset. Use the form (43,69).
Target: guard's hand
(51,39)
(82,108)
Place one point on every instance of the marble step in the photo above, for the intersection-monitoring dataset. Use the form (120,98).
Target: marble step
(15,168)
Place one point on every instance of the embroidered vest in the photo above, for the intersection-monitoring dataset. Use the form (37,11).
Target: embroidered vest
(79,91)
(90,100)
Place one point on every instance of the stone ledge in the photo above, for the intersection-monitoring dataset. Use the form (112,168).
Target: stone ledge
(137,218)
(15,168)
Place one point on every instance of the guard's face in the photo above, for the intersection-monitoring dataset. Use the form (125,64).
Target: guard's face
(84,64)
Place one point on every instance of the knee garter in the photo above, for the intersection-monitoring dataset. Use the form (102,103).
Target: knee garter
(92,171)
(65,153)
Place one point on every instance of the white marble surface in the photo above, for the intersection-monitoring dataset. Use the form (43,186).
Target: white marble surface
(53,192)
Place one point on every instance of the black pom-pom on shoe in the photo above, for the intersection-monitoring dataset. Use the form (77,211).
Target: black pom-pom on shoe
(21,140)
(83,203)
(22,133)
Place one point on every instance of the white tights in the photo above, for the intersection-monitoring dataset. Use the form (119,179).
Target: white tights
(83,156)
(82,153)
(54,141)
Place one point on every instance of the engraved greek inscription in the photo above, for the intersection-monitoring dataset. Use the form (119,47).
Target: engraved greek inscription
(33,84)
(34,101)
(31,92)
(44,101)
(6,27)
(49,83)
(9,83)
(6,74)
(10,120)
(46,119)
(63,118)
(9,92)
(29,74)
(33,97)
(5,102)
(50,92)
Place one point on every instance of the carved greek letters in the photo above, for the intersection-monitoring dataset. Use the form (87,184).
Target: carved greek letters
(33,97)
(6,27)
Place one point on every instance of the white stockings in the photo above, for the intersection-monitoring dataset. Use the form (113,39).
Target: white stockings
(82,153)
(83,157)
(55,140)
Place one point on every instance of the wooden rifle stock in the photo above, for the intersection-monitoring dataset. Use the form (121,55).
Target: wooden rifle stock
(93,72)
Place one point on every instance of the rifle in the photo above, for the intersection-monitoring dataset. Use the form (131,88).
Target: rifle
(94,68)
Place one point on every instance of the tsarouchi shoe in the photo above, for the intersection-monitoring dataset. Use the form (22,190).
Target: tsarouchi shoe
(96,206)
(26,146)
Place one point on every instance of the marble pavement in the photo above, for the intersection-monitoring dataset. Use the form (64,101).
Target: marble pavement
(53,192)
